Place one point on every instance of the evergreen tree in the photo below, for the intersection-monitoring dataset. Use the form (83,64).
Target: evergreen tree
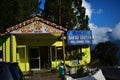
(106,53)
(15,11)
(82,19)
(68,13)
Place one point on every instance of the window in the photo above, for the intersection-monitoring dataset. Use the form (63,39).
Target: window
(57,53)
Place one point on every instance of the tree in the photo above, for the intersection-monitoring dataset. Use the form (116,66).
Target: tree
(105,52)
(82,19)
(68,13)
(16,11)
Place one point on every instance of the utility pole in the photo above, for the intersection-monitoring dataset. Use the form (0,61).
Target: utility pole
(60,12)
(63,42)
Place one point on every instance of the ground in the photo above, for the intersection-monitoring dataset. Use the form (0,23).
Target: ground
(43,75)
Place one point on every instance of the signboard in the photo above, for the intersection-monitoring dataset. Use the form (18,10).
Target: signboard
(75,62)
(79,37)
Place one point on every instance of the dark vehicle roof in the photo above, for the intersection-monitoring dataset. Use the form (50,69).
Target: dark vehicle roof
(10,71)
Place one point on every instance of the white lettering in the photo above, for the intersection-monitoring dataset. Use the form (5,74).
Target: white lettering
(73,37)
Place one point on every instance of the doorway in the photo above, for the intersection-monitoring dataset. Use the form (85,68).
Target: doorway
(34,58)
(39,57)
(45,57)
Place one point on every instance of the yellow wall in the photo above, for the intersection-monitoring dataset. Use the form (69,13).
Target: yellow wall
(10,46)
(9,49)
(57,43)
(85,59)
(87,56)
(24,65)
(6,50)
(0,47)
(22,58)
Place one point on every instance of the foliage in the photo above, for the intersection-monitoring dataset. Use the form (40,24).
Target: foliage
(16,11)
(105,52)
(82,19)
(68,13)
(75,54)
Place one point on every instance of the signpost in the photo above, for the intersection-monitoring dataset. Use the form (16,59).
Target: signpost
(79,37)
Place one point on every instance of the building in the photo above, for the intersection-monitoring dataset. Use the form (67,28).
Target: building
(36,44)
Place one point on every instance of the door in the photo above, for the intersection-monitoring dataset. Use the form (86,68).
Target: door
(45,57)
(34,58)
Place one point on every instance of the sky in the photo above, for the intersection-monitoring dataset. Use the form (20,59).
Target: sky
(104,19)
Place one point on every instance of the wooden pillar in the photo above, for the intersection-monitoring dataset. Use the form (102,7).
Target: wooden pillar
(50,56)
(56,55)
(63,44)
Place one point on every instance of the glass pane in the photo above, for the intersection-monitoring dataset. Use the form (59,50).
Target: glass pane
(53,53)
(21,53)
(34,53)
(34,58)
